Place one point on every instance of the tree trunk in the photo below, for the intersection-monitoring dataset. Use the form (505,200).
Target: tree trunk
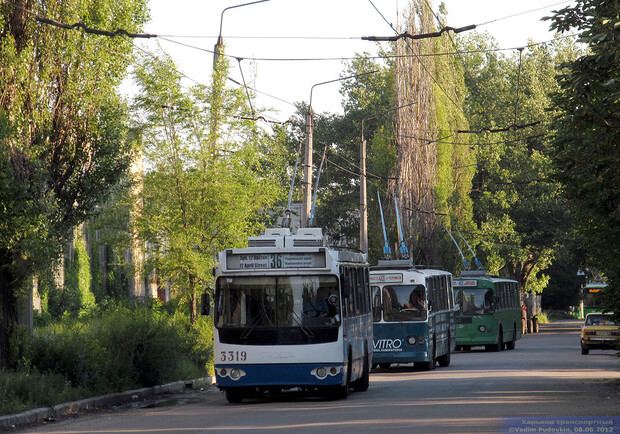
(8,309)
(193,303)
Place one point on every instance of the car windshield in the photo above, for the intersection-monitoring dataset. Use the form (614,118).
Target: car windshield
(270,301)
(600,319)
(400,303)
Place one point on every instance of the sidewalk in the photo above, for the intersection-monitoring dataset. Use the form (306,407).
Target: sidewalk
(39,415)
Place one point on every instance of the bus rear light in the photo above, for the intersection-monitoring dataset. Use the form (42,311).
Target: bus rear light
(411,340)
(421,340)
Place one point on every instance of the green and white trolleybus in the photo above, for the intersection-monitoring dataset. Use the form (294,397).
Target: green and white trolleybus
(490,311)
(291,312)
(413,316)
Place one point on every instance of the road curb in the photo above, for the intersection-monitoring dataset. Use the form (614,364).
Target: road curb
(39,415)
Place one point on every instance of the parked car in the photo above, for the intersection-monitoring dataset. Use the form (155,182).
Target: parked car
(599,331)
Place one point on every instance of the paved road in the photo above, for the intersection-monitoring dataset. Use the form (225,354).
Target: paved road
(545,376)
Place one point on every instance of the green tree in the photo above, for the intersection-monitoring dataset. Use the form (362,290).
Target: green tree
(62,128)
(200,195)
(587,132)
(519,209)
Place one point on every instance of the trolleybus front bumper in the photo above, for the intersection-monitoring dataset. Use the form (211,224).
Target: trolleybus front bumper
(279,375)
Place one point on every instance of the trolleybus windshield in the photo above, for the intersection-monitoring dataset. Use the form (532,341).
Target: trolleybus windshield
(403,303)
(476,301)
(277,301)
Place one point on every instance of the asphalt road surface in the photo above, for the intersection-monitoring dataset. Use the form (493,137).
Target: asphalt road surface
(544,384)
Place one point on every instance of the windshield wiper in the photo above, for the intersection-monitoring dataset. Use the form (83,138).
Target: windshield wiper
(299,322)
(252,326)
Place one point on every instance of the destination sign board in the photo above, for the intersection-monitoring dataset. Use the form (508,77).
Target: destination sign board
(464,283)
(386,278)
(274,260)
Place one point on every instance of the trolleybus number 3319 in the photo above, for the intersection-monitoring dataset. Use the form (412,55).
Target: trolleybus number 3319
(233,356)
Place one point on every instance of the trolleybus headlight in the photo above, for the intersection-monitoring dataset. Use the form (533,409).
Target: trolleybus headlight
(412,340)
(482,328)
(323,371)
(223,372)
(235,374)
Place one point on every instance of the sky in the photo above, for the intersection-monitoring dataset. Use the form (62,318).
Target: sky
(269,39)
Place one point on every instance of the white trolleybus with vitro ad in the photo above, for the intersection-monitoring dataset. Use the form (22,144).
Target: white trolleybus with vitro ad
(414,315)
(291,313)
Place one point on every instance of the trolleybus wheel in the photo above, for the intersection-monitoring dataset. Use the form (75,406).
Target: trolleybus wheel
(361,384)
(234,395)
(511,345)
(430,365)
(499,346)
(342,392)
(444,360)
(585,350)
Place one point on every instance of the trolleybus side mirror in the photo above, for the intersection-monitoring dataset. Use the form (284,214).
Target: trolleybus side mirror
(205,303)
(457,307)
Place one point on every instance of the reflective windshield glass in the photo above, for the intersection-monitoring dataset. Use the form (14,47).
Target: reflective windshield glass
(477,301)
(591,299)
(285,301)
(404,303)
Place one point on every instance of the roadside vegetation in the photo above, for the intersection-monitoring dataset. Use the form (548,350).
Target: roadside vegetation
(105,199)
(113,347)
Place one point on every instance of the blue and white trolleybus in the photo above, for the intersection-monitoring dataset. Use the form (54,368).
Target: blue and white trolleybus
(291,312)
(413,315)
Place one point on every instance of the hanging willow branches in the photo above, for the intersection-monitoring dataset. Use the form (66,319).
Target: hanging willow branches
(416,156)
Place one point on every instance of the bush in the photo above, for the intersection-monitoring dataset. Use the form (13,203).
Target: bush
(112,347)
(118,347)
(30,389)
(68,349)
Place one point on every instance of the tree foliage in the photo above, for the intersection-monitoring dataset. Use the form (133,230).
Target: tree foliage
(62,127)
(519,209)
(587,132)
(201,191)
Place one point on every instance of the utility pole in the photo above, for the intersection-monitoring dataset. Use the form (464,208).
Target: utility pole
(363,203)
(219,76)
(307,182)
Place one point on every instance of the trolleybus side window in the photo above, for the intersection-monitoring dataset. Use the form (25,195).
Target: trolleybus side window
(368,293)
(442,287)
(376,303)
